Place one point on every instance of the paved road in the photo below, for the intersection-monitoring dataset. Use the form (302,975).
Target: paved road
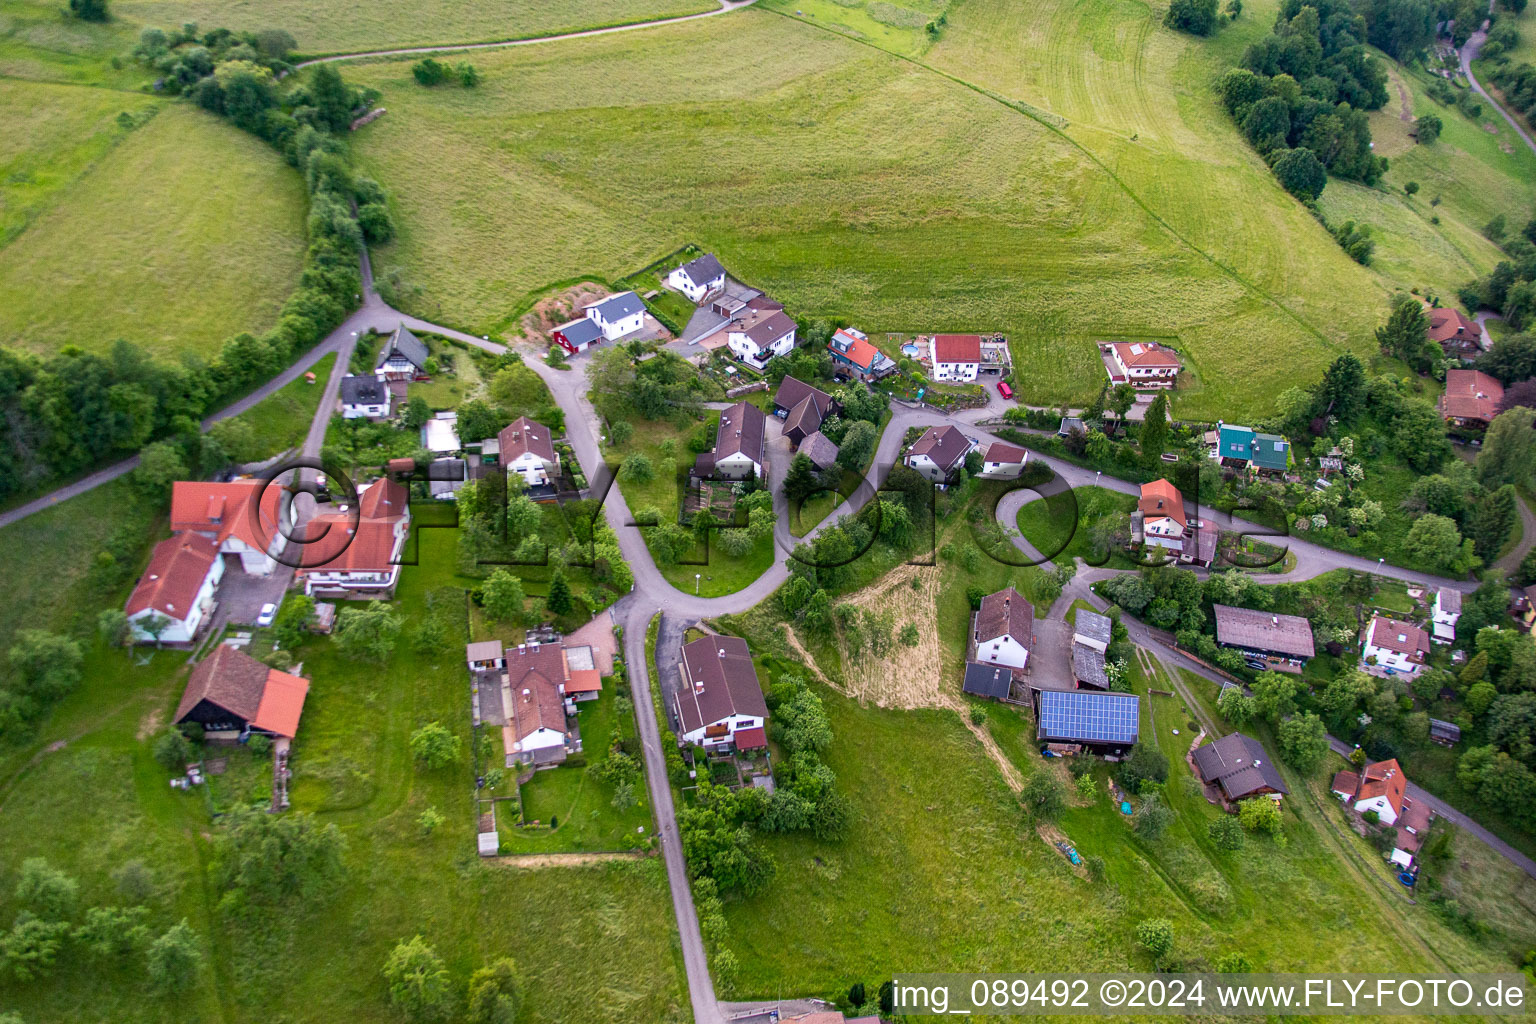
(725,6)
(1469,52)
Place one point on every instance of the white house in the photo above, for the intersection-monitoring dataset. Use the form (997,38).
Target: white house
(535,706)
(1381,787)
(761,335)
(698,278)
(1391,646)
(1161,511)
(618,315)
(1003,629)
(228,514)
(1001,461)
(956,357)
(740,442)
(1144,364)
(358,556)
(176,589)
(528,449)
(403,357)
(1090,629)
(938,453)
(1447,612)
(719,702)
(364,398)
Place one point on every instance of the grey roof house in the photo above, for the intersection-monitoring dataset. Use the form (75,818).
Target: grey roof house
(1240,766)
(402,357)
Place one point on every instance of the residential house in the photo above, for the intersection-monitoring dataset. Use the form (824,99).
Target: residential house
(176,590)
(231,695)
(698,278)
(1240,767)
(618,315)
(719,703)
(403,357)
(527,448)
(358,555)
(994,681)
(821,451)
(1445,614)
(240,516)
(939,453)
(577,334)
(1003,629)
(1281,641)
(1090,629)
(802,408)
(854,356)
(1200,543)
(535,706)
(740,443)
(1458,336)
(1144,364)
(1090,721)
(1000,461)
(956,357)
(1245,448)
(1088,668)
(1391,646)
(365,398)
(1382,787)
(440,434)
(1160,516)
(760,335)
(485,656)
(1471,399)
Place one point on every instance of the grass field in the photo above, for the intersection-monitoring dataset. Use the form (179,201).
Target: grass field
(595,928)
(281,421)
(325,28)
(40,42)
(189,231)
(832,187)
(1048,526)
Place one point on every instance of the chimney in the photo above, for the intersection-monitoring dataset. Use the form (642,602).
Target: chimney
(1274,620)
(698,686)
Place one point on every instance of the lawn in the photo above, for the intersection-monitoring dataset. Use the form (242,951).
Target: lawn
(596,928)
(183,232)
(281,421)
(323,28)
(834,189)
(38,42)
(1049,524)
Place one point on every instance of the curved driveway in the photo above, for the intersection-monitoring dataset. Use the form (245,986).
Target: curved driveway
(1469,52)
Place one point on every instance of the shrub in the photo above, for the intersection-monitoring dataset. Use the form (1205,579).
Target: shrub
(417,980)
(430,72)
(172,959)
(172,749)
(1156,936)
(434,746)
(1227,833)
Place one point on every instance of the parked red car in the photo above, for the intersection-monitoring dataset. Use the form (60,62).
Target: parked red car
(1004,390)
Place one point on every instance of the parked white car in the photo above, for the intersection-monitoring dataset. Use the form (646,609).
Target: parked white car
(268,613)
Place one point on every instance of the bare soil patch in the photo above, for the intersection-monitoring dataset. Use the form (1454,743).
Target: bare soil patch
(553,310)
(564,860)
(901,676)
(1051,835)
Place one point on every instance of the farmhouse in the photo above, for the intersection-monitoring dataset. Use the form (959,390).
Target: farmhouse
(1159,518)
(618,315)
(1390,646)
(176,591)
(1092,630)
(802,407)
(365,398)
(720,703)
(1239,765)
(988,680)
(1144,364)
(358,557)
(527,448)
(740,442)
(576,335)
(1383,788)
(1445,614)
(1003,629)
(761,335)
(1471,399)
(231,695)
(535,706)
(820,450)
(1282,641)
(403,357)
(1088,668)
(1245,448)
(698,278)
(1087,720)
(228,514)
(1453,332)
(1000,461)
(938,453)
(956,357)
(853,356)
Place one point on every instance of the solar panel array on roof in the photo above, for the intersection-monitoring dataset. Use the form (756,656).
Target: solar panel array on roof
(1078,716)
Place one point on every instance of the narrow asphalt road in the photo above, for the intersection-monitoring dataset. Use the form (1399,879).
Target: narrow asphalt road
(1469,52)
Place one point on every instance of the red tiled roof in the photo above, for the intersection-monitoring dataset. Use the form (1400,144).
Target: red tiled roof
(1470,395)
(1145,354)
(719,680)
(1450,325)
(945,445)
(524,435)
(368,545)
(175,574)
(535,673)
(957,348)
(1160,499)
(1383,778)
(750,739)
(264,697)
(860,351)
(282,702)
(1346,782)
(1396,635)
(1007,454)
(226,510)
(1005,613)
(583,680)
